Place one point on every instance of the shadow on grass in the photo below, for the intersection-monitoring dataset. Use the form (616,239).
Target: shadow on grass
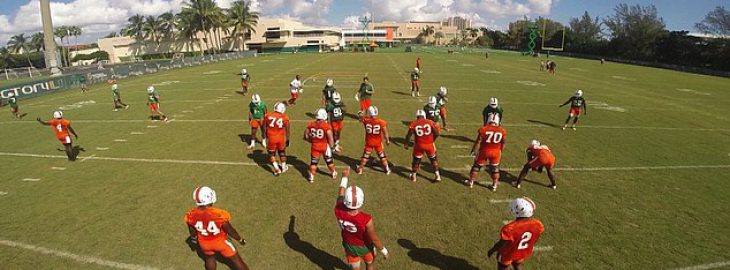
(261,158)
(544,123)
(351,116)
(218,257)
(460,138)
(435,258)
(321,258)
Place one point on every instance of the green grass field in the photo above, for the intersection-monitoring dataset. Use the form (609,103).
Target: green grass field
(642,183)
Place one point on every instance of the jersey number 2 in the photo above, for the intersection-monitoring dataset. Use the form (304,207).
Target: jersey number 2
(525,242)
(211,228)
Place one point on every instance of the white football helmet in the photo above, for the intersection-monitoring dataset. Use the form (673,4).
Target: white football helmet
(443,90)
(372,111)
(336,97)
(415,70)
(534,144)
(330,82)
(150,89)
(204,196)
(58,114)
(11,94)
(354,197)
(522,207)
(493,102)
(579,93)
(280,107)
(493,118)
(420,113)
(244,71)
(321,114)
(256,99)
(432,101)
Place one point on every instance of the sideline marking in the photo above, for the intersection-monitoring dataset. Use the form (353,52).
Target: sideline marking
(102,148)
(120,140)
(75,257)
(59,168)
(136,133)
(705,266)
(31,179)
(465,168)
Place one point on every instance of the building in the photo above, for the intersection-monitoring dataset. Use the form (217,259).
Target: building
(460,22)
(409,32)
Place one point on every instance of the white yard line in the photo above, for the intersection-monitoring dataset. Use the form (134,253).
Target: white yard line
(31,179)
(3,193)
(460,146)
(88,157)
(706,266)
(102,148)
(59,168)
(79,258)
(152,126)
(120,140)
(136,133)
(543,248)
(500,201)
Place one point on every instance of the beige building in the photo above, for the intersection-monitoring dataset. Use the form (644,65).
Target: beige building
(408,32)
(460,22)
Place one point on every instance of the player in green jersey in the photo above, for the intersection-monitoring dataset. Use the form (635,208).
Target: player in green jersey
(415,83)
(336,110)
(441,101)
(117,97)
(433,110)
(13,102)
(82,81)
(256,112)
(153,101)
(492,108)
(364,95)
(328,91)
(245,79)
(577,106)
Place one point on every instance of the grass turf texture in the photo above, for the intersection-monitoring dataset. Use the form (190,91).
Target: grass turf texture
(131,211)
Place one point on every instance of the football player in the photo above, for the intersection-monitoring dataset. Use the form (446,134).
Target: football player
(319,134)
(441,101)
(276,129)
(577,105)
(13,102)
(426,132)
(517,239)
(295,87)
(256,112)
(62,127)
(116,96)
(415,83)
(376,130)
(492,108)
(539,157)
(210,227)
(490,142)
(418,62)
(365,94)
(245,80)
(433,110)
(356,227)
(153,101)
(328,91)
(336,110)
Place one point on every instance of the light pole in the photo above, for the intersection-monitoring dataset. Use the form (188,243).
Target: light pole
(48,38)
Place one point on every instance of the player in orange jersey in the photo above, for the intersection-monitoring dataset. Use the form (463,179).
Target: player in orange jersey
(539,157)
(517,238)
(490,142)
(209,229)
(426,132)
(357,229)
(276,140)
(376,130)
(319,134)
(62,127)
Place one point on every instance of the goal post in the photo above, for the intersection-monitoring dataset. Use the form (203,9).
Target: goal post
(554,42)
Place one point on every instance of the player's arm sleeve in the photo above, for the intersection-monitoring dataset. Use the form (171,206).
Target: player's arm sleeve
(506,235)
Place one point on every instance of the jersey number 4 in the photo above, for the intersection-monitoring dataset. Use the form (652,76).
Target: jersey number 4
(525,242)
(59,127)
(492,137)
(424,130)
(278,122)
(210,229)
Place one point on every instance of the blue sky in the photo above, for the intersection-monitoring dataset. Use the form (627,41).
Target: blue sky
(100,17)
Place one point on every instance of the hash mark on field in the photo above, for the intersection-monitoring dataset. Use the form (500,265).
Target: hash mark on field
(152,126)
(31,179)
(543,248)
(3,193)
(706,266)
(58,168)
(187,111)
(136,133)
(79,258)
(102,148)
(120,140)
(464,156)
(499,201)
(460,146)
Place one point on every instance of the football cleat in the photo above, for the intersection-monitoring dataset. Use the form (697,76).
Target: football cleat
(310,178)
(277,172)
(432,101)
(354,197)
(413,94)
(553,186)
(204,196)
(334,175)
(469,183)
(372,111)
(438,177)
(413,177)
(358,169)
(522,207)
(58,114)
(284,168)
(321,114)
(280,107)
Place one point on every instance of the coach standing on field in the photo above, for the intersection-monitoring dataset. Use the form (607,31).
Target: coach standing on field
(365,95)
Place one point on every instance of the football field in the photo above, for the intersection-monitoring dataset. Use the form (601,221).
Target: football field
(642,182)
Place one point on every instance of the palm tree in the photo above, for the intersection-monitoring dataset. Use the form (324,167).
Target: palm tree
(62,32)
(75,31)
(168,25)
(187,29)
(20,44)
(243,20)
(151,28)
(473,33)
(206,15)
(427,32)
(439,35)
(5,60)
(36,42)
(135,27)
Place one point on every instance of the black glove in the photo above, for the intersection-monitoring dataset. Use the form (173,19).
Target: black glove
(287,143)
